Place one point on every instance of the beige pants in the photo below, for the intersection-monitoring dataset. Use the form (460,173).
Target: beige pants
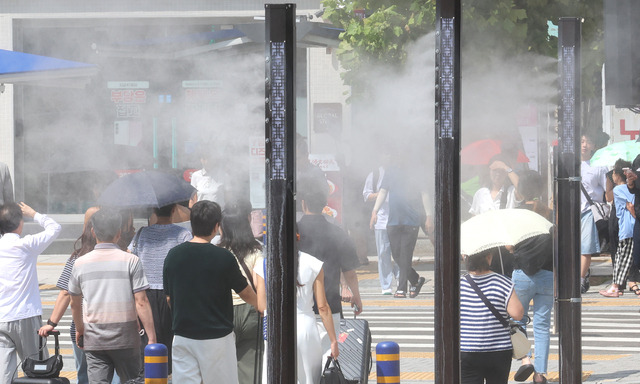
(207,361)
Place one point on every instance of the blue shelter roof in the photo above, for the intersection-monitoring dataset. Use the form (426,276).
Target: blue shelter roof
(19,67)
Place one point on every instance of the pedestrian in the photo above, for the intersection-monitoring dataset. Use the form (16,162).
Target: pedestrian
(107,287)
(533,279)
(485,344)
(198,278)
(152,244)
(310,289)
(237,237)
(409,209)
(498,189)
(21,314)
(498,192)
(6,186)
(633,184)
(593,188)
(387,269)
(330,244)
(82,246)
(624,201)
(208,181)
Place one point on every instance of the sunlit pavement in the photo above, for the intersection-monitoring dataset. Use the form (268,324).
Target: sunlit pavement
(417,363)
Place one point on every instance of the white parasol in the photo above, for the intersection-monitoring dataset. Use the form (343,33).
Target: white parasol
(499,228)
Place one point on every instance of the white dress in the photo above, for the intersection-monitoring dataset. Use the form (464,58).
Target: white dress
(309,343)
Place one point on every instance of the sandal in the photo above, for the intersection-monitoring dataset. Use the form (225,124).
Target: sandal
(611,292)
(543,380)
(400,295)
(635,289)
(414,291)
(524,372)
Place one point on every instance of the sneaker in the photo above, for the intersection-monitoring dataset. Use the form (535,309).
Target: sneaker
(387,292)
(415,289)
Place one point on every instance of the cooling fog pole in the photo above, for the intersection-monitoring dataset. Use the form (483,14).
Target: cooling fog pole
(280,40)
(447,199)
(568,203)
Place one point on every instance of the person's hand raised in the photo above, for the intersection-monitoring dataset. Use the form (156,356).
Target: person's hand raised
(27,210)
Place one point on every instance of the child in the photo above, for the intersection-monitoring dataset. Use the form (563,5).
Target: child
(623,201)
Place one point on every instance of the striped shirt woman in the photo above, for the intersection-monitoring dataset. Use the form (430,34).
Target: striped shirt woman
(485,344)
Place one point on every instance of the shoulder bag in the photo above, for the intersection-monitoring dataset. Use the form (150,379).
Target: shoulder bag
(332,373)
(600,210)
(521,345)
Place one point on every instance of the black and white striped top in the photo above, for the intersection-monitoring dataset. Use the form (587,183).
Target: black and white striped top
(63,283)
(480,330)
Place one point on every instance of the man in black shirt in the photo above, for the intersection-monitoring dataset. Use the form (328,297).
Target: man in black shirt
(198,278)
(331,245)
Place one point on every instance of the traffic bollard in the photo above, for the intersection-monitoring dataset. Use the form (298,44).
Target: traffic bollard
(388,362)
(156,364)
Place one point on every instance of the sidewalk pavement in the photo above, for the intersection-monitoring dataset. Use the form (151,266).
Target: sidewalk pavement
(419,367)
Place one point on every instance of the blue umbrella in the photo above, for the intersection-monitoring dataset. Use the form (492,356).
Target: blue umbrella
(146,189)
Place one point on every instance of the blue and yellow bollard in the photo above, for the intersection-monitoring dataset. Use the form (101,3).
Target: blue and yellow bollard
(156,364)
(388,362)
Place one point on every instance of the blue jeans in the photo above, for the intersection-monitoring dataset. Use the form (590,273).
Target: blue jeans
(386,267)
(81,366)
(538,288)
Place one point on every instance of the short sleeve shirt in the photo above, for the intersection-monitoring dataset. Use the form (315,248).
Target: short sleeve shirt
(107,279)
(199,278)
(405,199)
(331,245)
(152,247)
(483,202)
(622,196)
(480,330)
(594,180)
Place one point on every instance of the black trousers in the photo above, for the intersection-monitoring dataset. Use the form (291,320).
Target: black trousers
(402,241)
(161,320)
(476,367)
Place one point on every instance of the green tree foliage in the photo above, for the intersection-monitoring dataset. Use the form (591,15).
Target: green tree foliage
(491,29)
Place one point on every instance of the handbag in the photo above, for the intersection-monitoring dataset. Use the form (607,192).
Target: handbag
(44,368)
(600,210)
(521,345)
(332,373)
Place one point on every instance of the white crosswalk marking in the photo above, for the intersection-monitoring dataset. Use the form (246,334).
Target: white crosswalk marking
(614,332)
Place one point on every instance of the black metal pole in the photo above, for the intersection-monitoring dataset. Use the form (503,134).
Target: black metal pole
(447,187)
(280,23)
(568,177)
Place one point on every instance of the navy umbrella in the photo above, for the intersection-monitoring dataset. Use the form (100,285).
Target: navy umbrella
(146,189)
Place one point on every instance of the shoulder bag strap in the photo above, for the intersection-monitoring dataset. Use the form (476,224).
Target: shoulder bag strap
(248,273)
(486,301)
(504,197)
(591,203)
(134,249)
(584,191)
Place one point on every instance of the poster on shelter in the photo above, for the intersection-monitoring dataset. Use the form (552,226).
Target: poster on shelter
(257,191)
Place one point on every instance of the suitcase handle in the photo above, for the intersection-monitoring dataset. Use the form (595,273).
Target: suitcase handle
(55,336)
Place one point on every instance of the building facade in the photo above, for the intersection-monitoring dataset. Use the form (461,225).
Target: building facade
(176,80)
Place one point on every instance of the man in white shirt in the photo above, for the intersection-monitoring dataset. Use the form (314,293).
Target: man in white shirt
(21,308)
(207,187)
(594,182)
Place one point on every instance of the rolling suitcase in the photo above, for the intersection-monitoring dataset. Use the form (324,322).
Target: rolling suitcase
(354,343)
(41,367)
